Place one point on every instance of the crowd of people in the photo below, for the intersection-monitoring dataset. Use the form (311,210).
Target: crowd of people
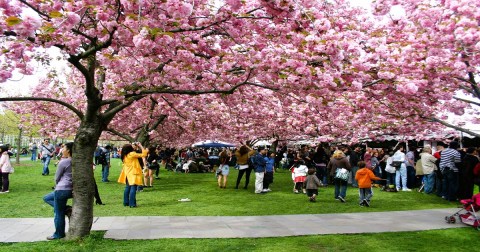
(446,170)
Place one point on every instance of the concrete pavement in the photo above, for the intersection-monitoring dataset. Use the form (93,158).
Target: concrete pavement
(157,227)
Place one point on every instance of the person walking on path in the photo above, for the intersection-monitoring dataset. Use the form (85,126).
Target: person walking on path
(131,174)
(364,177)
(63,191)
(47,150)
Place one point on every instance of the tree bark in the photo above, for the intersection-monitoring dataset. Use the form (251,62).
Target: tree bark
(19,147)
(86,141)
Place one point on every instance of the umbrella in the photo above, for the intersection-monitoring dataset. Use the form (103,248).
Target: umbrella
(212,144)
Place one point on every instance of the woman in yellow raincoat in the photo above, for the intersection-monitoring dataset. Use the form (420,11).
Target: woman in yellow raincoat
(131,174)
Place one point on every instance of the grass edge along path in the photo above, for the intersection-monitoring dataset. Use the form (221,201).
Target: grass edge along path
(458,239)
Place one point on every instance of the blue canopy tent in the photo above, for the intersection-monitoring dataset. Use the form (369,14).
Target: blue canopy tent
(212,144)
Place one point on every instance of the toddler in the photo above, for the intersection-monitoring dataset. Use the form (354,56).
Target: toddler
(312,184)
(364,177)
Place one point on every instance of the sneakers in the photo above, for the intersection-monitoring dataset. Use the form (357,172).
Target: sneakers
(265,191)
(4,191)
(269,190)
(341,199)
(366,203)
(406,190)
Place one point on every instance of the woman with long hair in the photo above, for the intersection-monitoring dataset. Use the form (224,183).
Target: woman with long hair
(131,174)
(63,191)
(242,154)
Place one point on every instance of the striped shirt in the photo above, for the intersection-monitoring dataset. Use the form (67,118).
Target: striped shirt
(448,158)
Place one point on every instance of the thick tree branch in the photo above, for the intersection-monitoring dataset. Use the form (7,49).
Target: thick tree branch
(36,10)
(455,127)
(173,107)
(65,104)
(467,101)
(120,134)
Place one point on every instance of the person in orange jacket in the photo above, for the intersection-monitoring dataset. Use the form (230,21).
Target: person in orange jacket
(364,177)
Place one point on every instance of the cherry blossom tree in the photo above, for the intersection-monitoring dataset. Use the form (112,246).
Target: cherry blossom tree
(124,51)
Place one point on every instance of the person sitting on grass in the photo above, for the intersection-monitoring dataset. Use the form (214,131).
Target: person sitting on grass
(364,177)
(312,184)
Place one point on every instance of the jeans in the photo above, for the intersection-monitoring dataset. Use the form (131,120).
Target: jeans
(105,172)
(130,195)
(450,185)
(247,176)
(5,181)
(46,162)
(354,172)
(34,156)
(365,194)
(58,200)
(402,172)
(259,181)
(429,182)
(340,188)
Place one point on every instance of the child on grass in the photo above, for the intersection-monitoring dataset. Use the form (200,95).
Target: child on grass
(312,184)
(299,174)
(364,177)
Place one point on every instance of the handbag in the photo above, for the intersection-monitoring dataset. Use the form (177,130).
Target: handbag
(341,174)
(397,164)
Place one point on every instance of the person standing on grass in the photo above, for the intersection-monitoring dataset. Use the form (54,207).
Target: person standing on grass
(429,167)
(63,191)
(153,165)
(312,183)
(401,172)
(223,168)
(33,149)
(243,154)
(259,165)
(131,174)
(364,177)
(5,168)
(339,160)
(47,150)
(269,170)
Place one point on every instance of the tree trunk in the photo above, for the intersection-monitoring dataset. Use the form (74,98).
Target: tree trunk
(86,141)
(19,147)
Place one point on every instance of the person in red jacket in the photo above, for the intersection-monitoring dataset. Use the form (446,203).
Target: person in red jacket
(364,177)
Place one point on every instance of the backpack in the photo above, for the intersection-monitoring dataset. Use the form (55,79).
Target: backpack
(102,158)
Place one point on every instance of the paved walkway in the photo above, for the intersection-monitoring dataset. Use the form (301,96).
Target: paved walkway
(157,227)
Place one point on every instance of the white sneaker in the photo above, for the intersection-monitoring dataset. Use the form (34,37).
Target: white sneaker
(265,191)
(269,190)
(5,192)
(406,190)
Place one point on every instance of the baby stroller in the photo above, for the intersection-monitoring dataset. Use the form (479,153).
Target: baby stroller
(468,213)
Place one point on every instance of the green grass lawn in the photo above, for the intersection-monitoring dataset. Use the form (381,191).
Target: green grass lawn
(27,187)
